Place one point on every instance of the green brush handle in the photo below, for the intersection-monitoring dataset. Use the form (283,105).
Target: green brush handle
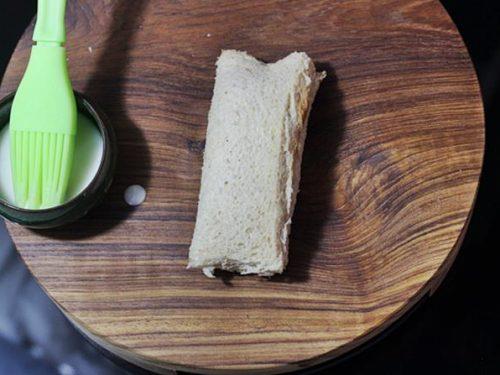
(49,25)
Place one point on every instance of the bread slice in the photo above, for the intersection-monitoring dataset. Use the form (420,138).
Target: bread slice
(256,131)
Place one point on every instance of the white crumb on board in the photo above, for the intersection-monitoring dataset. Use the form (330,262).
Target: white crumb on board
(208,35)
(90,49)
(135,195)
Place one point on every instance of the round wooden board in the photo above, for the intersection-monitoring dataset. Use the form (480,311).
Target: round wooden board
(390,171)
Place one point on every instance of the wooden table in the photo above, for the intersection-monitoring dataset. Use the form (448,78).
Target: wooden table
(391,168)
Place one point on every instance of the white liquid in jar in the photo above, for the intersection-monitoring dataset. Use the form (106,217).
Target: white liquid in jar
(89,149)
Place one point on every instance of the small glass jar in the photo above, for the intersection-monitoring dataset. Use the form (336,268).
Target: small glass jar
(91,195)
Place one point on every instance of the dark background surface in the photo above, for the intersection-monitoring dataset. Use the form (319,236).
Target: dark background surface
(455,331)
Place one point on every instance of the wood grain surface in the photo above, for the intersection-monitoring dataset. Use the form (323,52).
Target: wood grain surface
(390,171)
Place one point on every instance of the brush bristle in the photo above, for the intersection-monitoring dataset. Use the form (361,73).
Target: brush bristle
(41,164)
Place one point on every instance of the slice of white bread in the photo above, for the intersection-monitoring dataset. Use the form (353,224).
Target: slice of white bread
(256,130)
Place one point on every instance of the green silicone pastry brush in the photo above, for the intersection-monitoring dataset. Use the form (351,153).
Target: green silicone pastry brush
(43,116)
